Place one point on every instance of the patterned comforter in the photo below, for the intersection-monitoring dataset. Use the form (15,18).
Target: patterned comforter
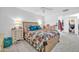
(39,38)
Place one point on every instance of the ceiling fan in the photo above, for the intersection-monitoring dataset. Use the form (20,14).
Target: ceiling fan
(47,8)
(44,9)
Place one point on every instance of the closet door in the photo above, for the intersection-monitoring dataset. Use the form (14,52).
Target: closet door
(72,24)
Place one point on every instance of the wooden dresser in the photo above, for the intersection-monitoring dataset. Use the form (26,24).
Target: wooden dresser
(17,34)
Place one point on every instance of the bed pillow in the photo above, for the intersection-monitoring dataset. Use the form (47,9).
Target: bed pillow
(38,27)
(33,28)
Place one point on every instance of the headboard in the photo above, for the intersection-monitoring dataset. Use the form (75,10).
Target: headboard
(26,24)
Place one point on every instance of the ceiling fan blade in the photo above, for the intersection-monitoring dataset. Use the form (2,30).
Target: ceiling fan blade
(47,8)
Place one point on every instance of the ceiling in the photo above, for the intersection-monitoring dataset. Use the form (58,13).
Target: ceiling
(51,10)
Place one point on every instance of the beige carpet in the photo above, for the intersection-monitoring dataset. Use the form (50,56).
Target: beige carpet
(20,46)
(68,43)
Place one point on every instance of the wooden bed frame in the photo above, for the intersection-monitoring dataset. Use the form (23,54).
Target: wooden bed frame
(51,42)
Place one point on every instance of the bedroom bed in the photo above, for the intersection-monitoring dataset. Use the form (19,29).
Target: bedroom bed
(41,39)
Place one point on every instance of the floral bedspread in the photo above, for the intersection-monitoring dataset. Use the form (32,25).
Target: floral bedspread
(39,38)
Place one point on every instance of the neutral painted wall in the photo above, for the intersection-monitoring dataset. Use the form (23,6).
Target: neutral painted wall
(7,16)
(66,24)
(50,19)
